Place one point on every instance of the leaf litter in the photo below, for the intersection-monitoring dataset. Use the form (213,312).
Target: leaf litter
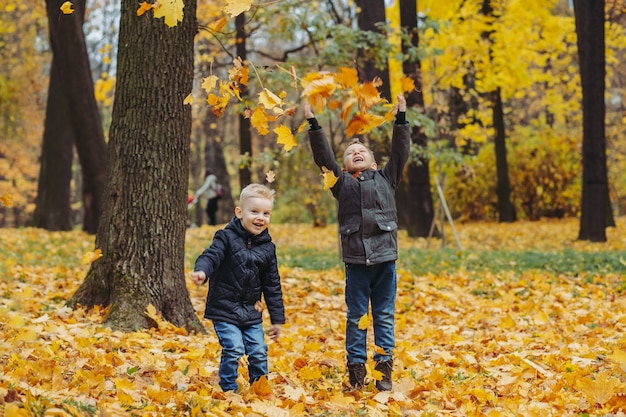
(522,343)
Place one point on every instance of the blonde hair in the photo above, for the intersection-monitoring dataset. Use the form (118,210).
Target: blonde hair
(258,191)
(357,141)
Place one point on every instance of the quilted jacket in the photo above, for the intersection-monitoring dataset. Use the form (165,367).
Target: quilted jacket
(240,268)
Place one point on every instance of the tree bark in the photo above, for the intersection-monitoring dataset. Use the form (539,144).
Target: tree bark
(52,205)
(214,158)
(419,209)
(596,213)
(142,229)
(70,56)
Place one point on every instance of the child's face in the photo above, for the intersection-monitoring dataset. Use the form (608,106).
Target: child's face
(254,214)
(357,158)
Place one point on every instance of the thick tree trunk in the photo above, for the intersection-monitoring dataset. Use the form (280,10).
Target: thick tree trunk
(245,124)
(52,206)
(70,57)
(142,229)
(596,212)
(419,210)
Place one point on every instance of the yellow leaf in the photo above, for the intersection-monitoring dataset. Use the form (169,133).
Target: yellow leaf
(408,84)
(143,7)
(329,178)
(262,387)
(209,83)
(347,77)
(151,312)
(90,257)
(364,321)
(237,7)
(259,121)
(217,26)
(598,390)
(619,356)
(66,7)
(285,137)
(170,10)
(188,99)
(269,100)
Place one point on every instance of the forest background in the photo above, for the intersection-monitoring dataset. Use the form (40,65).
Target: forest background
(534,64)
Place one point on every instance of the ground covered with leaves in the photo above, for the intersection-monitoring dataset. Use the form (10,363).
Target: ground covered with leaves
(522,320)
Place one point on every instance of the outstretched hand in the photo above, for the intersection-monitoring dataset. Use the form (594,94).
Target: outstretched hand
(401,106)
(308,114)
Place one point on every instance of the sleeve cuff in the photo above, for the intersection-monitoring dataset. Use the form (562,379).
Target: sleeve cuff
(401,118)
(313,125)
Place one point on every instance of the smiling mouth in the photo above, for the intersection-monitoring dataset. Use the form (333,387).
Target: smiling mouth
(358,159)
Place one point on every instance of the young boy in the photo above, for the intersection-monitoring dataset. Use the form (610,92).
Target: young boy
(367,218)
(240,266)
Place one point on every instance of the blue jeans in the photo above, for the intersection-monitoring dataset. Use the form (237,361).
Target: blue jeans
(375,284)
(237,341)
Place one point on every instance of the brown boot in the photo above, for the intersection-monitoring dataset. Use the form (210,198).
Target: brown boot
(385,367)
(356,373)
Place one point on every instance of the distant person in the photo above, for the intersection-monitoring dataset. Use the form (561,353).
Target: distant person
(240,267)
(210,188)
(367,219)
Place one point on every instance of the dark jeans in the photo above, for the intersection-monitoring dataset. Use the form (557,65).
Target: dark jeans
(238,341)
(211,209)
(375,284)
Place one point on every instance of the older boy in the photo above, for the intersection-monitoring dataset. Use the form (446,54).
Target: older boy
(240,266)
(367,218)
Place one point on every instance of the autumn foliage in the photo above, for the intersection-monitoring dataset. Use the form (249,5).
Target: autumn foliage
(528,342)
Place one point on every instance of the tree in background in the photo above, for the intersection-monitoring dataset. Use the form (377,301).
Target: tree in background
(142,229)
(74,75)
(595,213)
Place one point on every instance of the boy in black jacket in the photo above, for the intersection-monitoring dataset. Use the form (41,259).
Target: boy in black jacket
(368,226)
(240,266)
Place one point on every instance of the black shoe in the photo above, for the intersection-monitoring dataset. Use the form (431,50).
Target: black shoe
(385,367)
(357,375)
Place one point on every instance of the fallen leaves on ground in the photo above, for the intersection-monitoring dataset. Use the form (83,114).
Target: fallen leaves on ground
(535,344)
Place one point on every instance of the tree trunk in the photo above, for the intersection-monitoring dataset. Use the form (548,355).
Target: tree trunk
(596,212)
(506,210)
(70,57)
(245,124)
(142,229)
(419,210)
(52,206)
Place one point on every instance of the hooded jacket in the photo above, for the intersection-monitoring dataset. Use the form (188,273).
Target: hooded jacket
(367,214)
(240,268)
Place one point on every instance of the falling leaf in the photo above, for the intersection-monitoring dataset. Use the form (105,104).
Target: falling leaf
(188,99)
(209,83)
(407,84)
(170,10)
(143,7)
(269,100)
(329,178)
(236,7)
(285,137)
(90,257)
(219,25)
(364,321)
(66,7)
(259,121)
(270,176)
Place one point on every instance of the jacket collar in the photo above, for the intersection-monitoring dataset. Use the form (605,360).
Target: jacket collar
(236,226)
